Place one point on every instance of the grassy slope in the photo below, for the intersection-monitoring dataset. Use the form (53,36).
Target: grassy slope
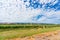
(24,32)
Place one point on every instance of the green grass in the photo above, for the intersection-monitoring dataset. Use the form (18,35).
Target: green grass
(23,32)
(8,31)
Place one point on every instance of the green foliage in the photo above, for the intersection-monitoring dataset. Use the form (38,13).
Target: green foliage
(27,25)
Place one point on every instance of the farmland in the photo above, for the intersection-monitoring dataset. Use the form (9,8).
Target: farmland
(8,31)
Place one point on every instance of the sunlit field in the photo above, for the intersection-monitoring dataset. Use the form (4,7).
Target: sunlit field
(8,31)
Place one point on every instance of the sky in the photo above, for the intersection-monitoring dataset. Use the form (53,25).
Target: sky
(30,11)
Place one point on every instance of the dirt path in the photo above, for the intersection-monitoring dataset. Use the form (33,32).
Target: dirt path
(44,36)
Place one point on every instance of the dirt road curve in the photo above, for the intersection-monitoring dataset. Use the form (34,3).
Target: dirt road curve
(55,35)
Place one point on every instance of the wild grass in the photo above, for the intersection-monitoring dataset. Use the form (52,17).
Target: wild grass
(24,32)
(16,31)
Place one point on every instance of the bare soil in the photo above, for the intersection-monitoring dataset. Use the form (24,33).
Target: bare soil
(54,35)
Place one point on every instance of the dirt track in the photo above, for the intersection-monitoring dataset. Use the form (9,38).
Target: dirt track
(55,35)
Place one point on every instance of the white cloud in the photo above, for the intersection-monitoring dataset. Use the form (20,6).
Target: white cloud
(16,11)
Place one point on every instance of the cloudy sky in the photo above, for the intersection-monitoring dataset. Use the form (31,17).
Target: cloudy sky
(30,11)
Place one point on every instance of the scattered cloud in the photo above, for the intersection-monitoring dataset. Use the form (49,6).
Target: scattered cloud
(15,11)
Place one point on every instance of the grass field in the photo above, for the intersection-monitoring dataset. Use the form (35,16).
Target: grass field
(8,31)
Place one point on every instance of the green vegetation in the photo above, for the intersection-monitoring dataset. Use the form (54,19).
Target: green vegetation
(27,25)
(22,30)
